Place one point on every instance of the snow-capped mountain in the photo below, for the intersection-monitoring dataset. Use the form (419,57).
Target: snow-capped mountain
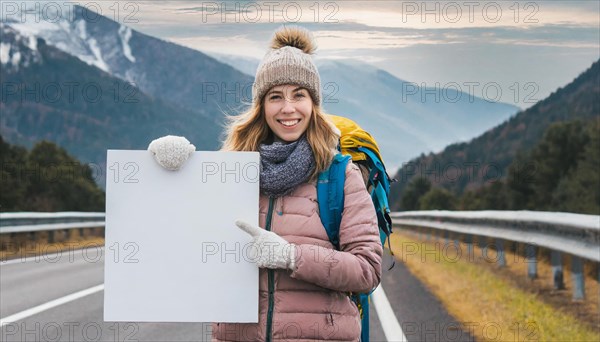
(17,51)
(44,99)
(104,44)
(183,76)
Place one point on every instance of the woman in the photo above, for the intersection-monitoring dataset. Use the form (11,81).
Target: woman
(304,281)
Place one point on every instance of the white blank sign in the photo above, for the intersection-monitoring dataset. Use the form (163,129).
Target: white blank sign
(173,252)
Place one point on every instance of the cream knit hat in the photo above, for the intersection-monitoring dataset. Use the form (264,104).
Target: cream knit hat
(289,61)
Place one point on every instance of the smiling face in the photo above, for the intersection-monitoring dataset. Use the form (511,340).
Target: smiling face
(288,109)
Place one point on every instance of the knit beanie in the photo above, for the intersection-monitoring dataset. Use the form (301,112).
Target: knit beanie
(288,61)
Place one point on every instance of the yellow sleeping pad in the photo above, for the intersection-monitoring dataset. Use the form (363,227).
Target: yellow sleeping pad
(353,137)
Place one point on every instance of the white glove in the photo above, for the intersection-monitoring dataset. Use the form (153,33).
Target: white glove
(272,250)
(171,152)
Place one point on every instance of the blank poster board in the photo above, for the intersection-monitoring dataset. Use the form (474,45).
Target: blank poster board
(173,252)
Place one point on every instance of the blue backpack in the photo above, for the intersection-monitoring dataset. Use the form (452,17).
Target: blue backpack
(330,195)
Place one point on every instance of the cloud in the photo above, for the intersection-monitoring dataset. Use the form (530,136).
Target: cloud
(500,41)
(377,14)
(252,40)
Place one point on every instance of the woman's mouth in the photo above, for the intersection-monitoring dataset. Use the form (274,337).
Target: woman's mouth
(289,123)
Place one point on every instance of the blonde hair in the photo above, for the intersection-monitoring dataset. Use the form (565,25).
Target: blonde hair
(245,132)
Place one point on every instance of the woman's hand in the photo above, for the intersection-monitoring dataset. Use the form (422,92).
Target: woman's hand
(272,251)
(171,152)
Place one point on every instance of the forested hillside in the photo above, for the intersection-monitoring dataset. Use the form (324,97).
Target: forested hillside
(523,146)
(559,174)
(46,179)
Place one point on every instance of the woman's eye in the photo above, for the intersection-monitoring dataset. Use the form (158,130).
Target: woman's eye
(274,97)
(300,95)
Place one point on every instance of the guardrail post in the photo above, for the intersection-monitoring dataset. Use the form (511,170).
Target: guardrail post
(500,251)
(578,281)
(557,270)
(6,241)
(469,242)
(530,254)
(51,236)
(446,238)
(481,241)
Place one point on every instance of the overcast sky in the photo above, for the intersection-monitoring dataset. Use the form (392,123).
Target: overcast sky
(523,49)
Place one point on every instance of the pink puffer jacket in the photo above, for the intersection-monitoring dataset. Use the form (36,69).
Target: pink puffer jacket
(311,303)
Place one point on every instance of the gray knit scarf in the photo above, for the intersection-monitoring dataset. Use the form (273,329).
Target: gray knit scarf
(285,166)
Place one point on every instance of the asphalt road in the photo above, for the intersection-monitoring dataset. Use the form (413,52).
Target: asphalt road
(27,284)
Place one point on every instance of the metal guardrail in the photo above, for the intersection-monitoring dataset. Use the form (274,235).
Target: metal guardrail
(575,234)
(34,221)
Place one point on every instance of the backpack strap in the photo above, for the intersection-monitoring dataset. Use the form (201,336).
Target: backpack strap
(330,195)
(380,182)
(362,301)
(379,179)
(378,172)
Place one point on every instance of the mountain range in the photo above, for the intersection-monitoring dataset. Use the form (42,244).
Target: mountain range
(483,160)
(51,95)
(405,118)
(151,87)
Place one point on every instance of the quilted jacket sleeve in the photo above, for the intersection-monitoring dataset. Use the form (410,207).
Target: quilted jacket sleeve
(357,266)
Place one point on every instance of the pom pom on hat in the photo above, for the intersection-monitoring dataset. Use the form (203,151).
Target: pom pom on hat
(295,36)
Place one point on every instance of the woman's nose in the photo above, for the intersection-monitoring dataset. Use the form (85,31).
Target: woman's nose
(288,106)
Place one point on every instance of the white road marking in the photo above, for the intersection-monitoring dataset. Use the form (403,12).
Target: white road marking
(49,305)
(389,322)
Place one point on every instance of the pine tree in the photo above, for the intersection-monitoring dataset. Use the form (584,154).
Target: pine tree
(438,198)
(413,193)
(554,157)
(579,191)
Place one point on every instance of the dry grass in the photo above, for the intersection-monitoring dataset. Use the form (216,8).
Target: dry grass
(586,311)
(23,247)
(500,304)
